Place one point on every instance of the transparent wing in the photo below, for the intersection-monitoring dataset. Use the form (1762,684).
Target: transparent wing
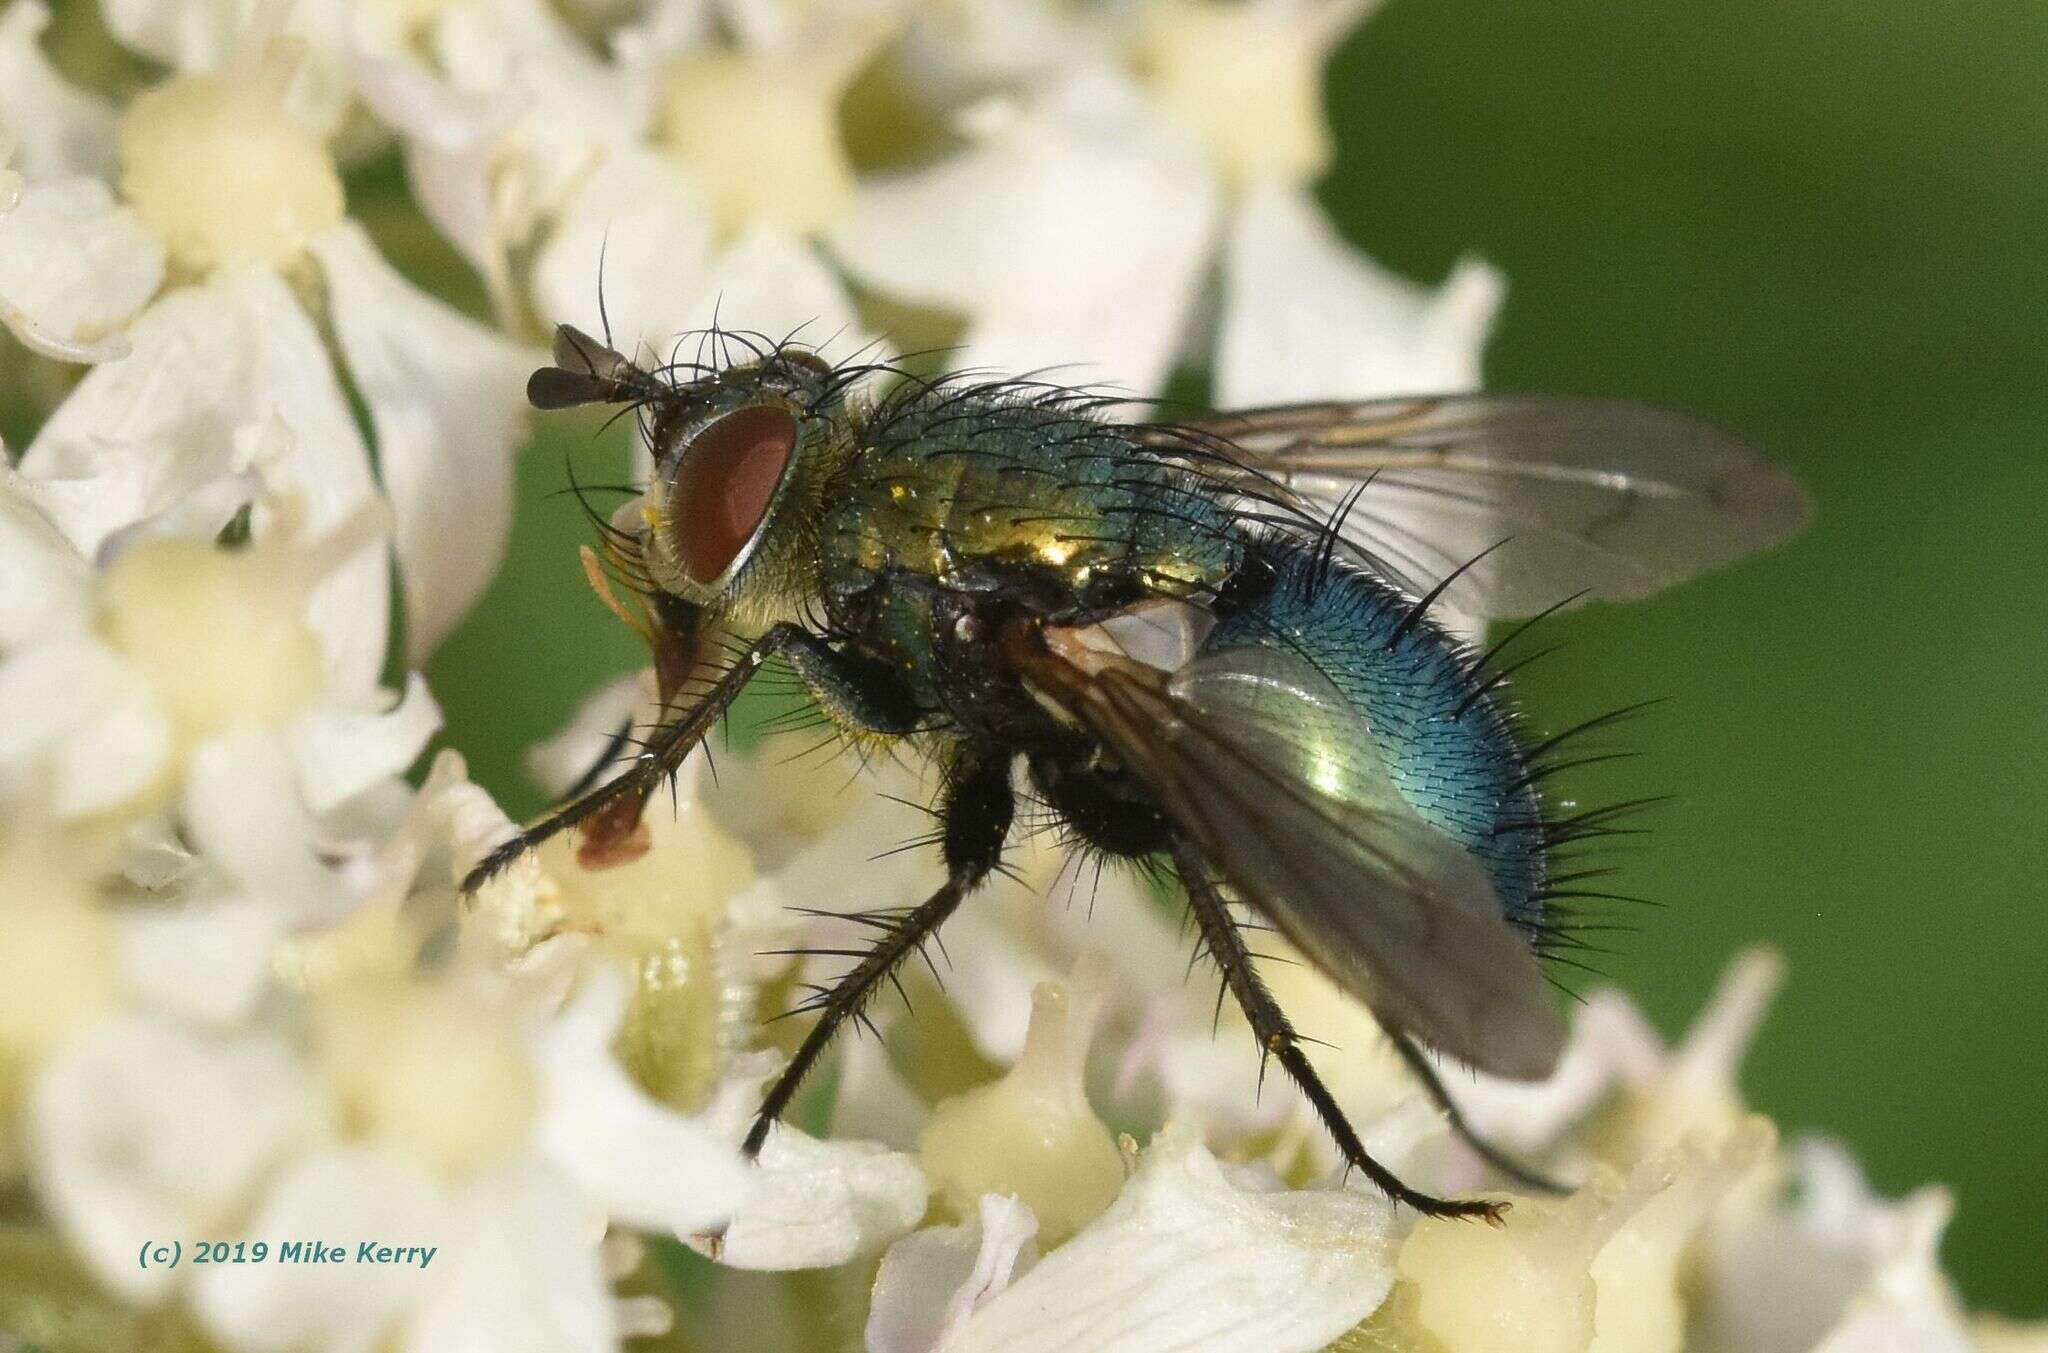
(1614,499)
(1276,780)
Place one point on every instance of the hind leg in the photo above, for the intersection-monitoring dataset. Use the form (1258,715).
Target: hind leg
(1423,1071)
(1278,1040)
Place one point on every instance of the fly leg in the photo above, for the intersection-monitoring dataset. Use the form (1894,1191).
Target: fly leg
(976,817)
(623,796)
(675,634)
(1485,1150)
(1277,1039)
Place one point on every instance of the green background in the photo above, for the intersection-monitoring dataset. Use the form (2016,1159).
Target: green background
(1820,222)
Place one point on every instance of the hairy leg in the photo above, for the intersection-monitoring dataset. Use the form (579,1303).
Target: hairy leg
(976,816)
(1486,1151)
(1278,1040)
(623,796)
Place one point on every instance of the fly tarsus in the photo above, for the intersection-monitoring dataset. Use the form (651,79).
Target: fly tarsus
(1507,1165)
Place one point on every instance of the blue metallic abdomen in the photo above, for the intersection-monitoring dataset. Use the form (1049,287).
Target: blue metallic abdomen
(1449,748)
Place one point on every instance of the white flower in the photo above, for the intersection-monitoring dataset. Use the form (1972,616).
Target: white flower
(513,1220)
(1073,235)
(142,1131)
(204,37)
(691,166)
(606,1133)
(209,176)
(1187,1257)
(1306,317)
(930,1284)
(816,1203)
(494,1134)
(501,110)
(1602,1270)
(185,672)
(1063,1163)
(687,919)
(1816,1261)
(243,996)
(1103,189)
(73,265)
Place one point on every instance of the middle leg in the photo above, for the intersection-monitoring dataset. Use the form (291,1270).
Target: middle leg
(975,815)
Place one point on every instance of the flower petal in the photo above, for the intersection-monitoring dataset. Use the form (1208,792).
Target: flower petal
(85,733)
(1307,317)
(126,496)
(522,1273)
(823,1203)
(11,183)
(243,811)
(1642,1294)
(815,1203)
(560,761)
(285,1304)
(197,36)
(205,961)
(451,147)
(1073,238)
(1610,1040)
(954,52)
(772,283)
(872,1100)
(932,1281)
(50,585)
(74,269)
(60,129)
(342,752)
(1184,1259)
(1907,1303)
(1777,1275)
(142,1133)
(629,251)
(206,362)
(447,401)
(646,1165)
(548,106)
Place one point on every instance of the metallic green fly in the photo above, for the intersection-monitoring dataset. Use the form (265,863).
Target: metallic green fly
(1205,645)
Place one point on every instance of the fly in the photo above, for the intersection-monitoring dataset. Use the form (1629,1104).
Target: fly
(1208,645)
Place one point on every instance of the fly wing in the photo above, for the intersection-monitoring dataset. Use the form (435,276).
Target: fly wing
(1615,499)
(1276,780)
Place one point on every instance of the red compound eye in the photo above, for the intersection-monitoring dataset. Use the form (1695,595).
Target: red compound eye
(722,487)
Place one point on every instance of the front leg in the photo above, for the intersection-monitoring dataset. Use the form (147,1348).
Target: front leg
(623,796)
(855,690)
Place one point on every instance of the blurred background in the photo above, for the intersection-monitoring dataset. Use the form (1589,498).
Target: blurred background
(1820,223)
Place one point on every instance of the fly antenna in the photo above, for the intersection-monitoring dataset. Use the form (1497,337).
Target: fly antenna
(585,371)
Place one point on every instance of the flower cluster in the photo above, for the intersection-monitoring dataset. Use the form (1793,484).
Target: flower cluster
(244,1001)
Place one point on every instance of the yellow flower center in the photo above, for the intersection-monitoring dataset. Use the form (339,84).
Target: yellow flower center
(762,135)
(216,168)
(430,1071)
(58,949)
(661,916)
(1246,78)
(408,20)
(220,634)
